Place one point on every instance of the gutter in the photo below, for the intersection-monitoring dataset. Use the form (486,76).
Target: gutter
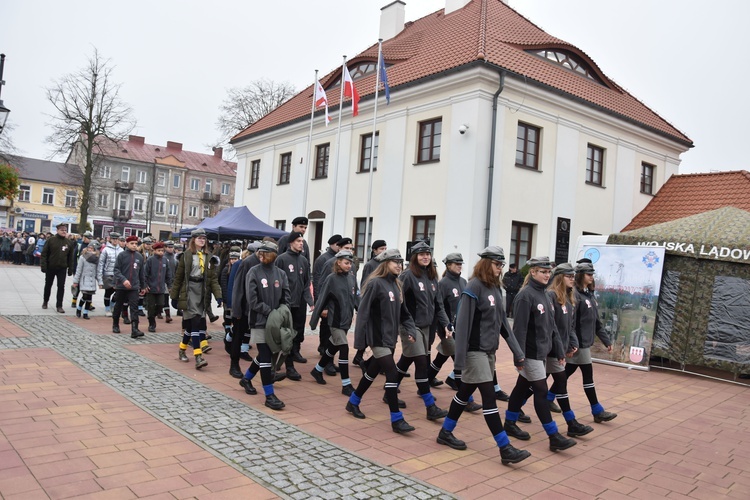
(491,168)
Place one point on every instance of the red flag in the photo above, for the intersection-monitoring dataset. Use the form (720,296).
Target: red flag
(321,99)
(351,91)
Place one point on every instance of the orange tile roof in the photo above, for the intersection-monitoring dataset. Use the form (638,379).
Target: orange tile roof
(691,194)
(136,149)
(482,32)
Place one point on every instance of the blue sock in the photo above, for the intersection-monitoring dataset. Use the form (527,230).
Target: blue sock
(346,381)
(449,424)
(501,439)
(569,415)
(497,388)
(268,389)
(395,417)
(319,368)
(596,409)
(354,399)
(550,428)
(550,396)
(511,415)
(245,348)
(249,375)
(471,399)
(429,399)
(452,375)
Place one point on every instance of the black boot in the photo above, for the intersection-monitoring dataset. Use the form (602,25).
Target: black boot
(354,410)
(292,373)
(576,429)
(134,331)
(558,442)
(523,418)
(234,369)
(511,455)
(554,408)
(330,369)
(447,438)
(126,319)
(451,383)
(435,413)
(248,386)
(151,325)
(296,356)
(513,430)
(273,402)
(401,402)
(604,416)
(318,376)
(401,427)
(115,327)
(501,395)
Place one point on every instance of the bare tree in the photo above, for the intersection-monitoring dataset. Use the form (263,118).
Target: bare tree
(90,118)
(243,106)
(8,151)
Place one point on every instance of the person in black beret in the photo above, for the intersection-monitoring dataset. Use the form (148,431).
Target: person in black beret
(299,225)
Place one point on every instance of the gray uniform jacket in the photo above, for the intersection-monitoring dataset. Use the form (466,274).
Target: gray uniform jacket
(107,260)
(321,270)
(381,311)
(297,270)
(283,246)
(367,270)
(238,304)
(534,323)
(451,286)
(129,266)
(588,323)
(266,288)
(480,322)
(339,296)
(565,322)
(158,275)
(423,300)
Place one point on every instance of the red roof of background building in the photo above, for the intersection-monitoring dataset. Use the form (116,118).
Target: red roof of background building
(690,194)
(136,149)
(484,31)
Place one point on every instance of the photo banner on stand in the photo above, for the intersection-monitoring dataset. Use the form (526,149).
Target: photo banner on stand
(627,282)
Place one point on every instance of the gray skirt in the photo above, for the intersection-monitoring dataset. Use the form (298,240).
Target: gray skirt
(553,366)
(257,335)
(195,304)
(533,370)
(480,367)
(338,336)
(447,347)
(581,357)
(381,352)
(420,347)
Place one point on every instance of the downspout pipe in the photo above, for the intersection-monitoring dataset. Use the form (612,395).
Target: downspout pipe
(491,169)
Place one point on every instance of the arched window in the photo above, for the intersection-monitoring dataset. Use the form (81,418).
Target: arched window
(567,60)
(357,71)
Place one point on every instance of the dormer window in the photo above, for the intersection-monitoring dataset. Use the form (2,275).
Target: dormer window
(357,71)
(568,61)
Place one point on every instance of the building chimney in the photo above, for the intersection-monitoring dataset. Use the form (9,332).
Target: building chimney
(218,152)
(174,145)
(454,5)
(392,19)
(136,139)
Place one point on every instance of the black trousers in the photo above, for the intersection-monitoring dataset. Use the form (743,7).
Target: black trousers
(121,297)
(49,277)
(299,316)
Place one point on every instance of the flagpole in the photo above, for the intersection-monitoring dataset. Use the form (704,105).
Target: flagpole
(338,142)
(372,150)
(309,148)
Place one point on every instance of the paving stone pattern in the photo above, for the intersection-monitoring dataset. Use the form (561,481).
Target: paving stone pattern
(277,455)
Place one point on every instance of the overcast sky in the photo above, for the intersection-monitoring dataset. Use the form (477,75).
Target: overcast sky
(686,59)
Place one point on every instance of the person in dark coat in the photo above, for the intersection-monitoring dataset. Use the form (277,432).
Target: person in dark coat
(57,260)
(512,282)
(299,225)
(159,277)
(129,285)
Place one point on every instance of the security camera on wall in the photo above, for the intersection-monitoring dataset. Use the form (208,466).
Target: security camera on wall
(462,129)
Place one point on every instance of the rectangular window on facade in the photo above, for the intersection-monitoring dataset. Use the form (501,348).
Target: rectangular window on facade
(176,181)
(159,207)
(647,178)
(280,225)
(192,211)
(594,165)
(362,244)
(161,179)
(527,146)
(365,151)
(520,243)
(206,211)
(225,189)
(138,204)
(173,208)
(125,174)
(195,184)
(285,168)
(71,198)
(24,192)
(209,185)
(102,200)
(254,174)
(321,160)
(423,228)
(123,203)
(48,196)
(141,177)
(430,133)
(105,171)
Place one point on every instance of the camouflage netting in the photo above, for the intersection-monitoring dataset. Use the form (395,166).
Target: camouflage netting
(703,316)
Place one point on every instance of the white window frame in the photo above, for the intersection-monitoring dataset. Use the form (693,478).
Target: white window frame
(139,204)
(176,181)
(71,198)
(24,192)
(174,209)
(102,197)
(195,184)
(209,186)
(105,171)
(48,194)
(225,188)
(206,211)
(141,177)
(156,206)
(161,179)
(123,205)
(125,174)
(192,211)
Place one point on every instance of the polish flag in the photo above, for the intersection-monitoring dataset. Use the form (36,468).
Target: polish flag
(321,99)
(351,91)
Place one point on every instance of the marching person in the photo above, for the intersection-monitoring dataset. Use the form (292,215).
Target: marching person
(338,299)
(169,256)
(299,225)
(85,278)
(129,285)
(105,270)
(194,282)
(80,247)
(587,326)
(237,303)
(57,260)
(378,247)
(480,322)
(512,282)
(320,268)
(536,333)
(451,286)
(158,281)
(381,311)
(232,257)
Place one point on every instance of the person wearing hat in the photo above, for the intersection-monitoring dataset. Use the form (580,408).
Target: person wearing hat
(299,225)
(169,257)
(339,297)
(146,249)
(159,279)
(105,270)
(512,282)
(534,328)
(40,241)
(129,285)
(378,247)
(85,277)
(320,271)
(381,313)
(480,321)
(266,288)
(80,246)
(587,326)
(561,292)
(297,270)
(57,261)
(232,257)
(194,282)
(422,298)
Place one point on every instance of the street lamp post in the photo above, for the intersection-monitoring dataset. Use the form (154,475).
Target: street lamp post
(4,112)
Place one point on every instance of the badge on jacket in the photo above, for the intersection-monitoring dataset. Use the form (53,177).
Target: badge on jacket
(392,297)
(491,298)
(421,286)
(540,308)
(264,282)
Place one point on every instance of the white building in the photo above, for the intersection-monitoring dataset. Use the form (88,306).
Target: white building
(496,133)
